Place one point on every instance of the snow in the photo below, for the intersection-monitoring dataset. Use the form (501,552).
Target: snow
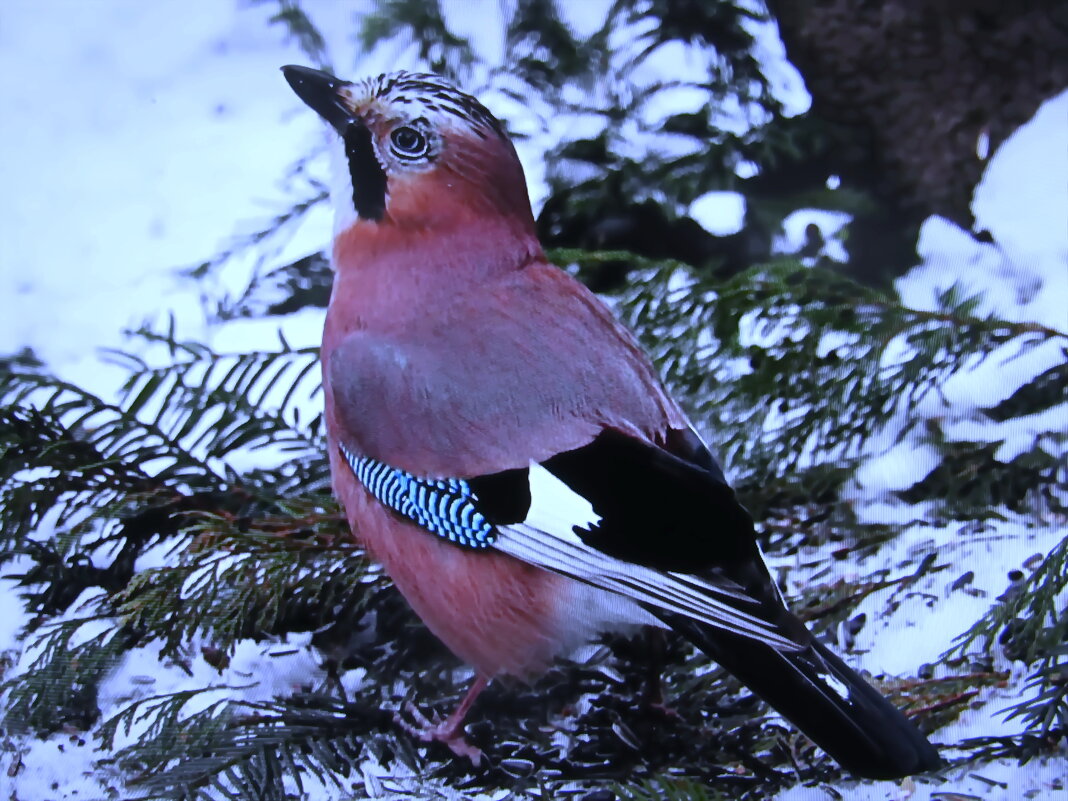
(1011,285)
(719,213)
(785,81)
(901,465)
(1022,198)
(480,22)
(584,19)
(141,137)
(797,222)
(997,781)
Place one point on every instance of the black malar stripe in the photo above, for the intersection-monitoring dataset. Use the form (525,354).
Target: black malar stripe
(368,177)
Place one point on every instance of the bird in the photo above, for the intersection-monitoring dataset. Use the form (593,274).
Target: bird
(504,448)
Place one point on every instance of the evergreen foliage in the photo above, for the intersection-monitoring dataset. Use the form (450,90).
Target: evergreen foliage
(193,514)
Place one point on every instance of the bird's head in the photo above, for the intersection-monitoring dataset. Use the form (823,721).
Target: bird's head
(414,152)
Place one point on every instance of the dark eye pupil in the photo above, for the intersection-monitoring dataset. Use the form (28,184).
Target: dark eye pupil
(409,141)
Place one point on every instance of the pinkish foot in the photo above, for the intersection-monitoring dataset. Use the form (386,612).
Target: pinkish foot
(653,697)
(449,731)
(668,712)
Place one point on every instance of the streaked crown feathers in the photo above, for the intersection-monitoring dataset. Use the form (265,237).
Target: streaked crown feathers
(422,94)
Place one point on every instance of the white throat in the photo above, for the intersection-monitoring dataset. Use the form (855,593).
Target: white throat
(340,184)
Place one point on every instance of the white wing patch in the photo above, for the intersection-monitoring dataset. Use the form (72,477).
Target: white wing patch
(547,539)
(556,507)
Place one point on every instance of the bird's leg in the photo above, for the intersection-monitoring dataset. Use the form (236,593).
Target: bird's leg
(653,695)
(333,679)
(448,731)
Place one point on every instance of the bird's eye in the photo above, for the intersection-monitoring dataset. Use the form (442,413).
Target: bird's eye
(409,143)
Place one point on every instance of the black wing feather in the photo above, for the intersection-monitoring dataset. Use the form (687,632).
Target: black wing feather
(657,509)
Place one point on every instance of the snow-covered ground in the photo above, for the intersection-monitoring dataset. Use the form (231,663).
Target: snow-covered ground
(141,137)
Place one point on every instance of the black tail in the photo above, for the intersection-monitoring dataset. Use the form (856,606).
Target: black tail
(859,728)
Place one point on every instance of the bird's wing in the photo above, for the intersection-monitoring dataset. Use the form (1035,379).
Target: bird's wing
(544,433)
(640,528)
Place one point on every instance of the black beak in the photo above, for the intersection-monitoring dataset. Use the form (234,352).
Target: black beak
(320,91)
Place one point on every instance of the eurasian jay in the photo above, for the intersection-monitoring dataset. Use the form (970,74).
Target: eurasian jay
(503,447)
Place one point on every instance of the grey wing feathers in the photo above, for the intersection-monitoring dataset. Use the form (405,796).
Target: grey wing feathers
(678,593)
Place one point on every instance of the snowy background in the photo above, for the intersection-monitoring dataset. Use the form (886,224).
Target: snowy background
(140,138)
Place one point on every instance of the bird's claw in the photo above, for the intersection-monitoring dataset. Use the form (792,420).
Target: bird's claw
(447,731)
(661,708)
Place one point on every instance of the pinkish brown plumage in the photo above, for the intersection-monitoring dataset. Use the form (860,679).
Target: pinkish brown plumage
(496,613)
(501,444)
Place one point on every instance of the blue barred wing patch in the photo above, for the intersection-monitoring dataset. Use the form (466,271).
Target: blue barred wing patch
(443,506)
